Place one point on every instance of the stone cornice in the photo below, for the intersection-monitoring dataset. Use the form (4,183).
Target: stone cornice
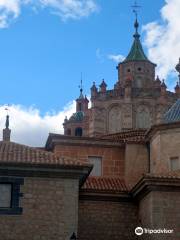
(57,139)
(111,196)
(150,183)
(45,171)
(160,127)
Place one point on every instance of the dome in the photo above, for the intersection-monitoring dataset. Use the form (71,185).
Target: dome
(78,116)
(173,114)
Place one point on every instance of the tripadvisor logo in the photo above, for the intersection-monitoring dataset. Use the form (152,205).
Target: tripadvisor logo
(139,231)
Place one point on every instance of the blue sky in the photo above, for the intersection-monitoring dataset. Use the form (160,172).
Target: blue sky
(42,57)
(46,44)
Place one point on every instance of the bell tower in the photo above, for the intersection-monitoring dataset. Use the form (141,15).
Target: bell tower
(136,66)
(78,124)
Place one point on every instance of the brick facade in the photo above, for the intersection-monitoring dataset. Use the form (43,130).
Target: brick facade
(106,220)
(112,157)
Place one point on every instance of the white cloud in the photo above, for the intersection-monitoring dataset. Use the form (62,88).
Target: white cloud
(9,10)
(29,127)
(116,58)
(65,9)
(99,55)
(163,39)
(71,9)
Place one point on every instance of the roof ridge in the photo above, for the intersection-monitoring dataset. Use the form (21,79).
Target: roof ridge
(11,152)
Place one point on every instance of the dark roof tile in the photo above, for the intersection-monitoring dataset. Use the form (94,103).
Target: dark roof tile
(105,184)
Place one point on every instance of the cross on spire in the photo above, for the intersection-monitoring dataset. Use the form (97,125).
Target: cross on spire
(81,88)
(7,116)
(135,8)
(7,131)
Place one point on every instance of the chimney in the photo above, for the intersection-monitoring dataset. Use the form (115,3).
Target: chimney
(7,131)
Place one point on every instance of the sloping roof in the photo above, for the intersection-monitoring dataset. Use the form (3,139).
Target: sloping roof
(11,152)
(105,184)
(173,114)
(132,136)
(136,53)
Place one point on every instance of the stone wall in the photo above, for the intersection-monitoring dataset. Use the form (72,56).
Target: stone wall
(106,220)
(164,146)
(112,157)
(136,163)
(50,211)
(161,210)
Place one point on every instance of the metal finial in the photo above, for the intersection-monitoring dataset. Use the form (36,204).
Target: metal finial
(135,8)
(81,88)
(7,117)
(7,121)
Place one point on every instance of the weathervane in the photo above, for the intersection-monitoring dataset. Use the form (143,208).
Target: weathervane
(135,8)
(7,109)
(7,116)
(81,86)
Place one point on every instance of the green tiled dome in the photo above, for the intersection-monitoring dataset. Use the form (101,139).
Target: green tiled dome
(173,114)
(78,116)
(136,52)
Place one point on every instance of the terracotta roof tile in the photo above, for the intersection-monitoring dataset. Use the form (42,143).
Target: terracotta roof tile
(137,136)
(11,152)
(105,184)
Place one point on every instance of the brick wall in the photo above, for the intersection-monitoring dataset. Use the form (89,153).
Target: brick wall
(112,158)
(50,211)
(105,220)
(161,210)
(136,163)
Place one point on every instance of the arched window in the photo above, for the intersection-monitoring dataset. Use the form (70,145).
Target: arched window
(115,123)
(143,118)
(79,106)
(78,132)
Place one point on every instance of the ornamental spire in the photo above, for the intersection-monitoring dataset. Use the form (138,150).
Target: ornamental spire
(81,89)
(136,53)
(6,131)
(135,8)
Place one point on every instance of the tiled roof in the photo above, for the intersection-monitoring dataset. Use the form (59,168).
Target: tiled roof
(173,114)
(11,152)
(134,136)
(105,184)
(136,52)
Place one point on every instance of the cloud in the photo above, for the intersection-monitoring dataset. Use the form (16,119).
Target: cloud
(70,9)
(29,127)
(99,55)
(9,10)
(116,58)
(66,9)
(163,39)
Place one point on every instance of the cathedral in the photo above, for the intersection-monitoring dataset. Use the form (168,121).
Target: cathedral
(138,100)
(113,175)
